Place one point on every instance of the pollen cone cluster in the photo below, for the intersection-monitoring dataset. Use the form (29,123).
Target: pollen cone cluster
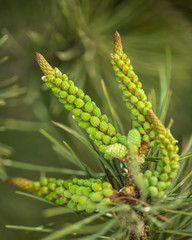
(133,94)
(152,131)
(87,195)
(159,180)
(84,110)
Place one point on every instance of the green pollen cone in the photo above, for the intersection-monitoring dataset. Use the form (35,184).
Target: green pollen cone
(133,94)
(84,110)
(71,193)
(44,65)
(117,150)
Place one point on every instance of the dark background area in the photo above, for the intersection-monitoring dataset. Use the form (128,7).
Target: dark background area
(77,37)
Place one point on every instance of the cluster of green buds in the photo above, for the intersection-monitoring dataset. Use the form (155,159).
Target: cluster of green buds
(159,179)
(147,130)
(146,122)
(130,143)
(133,94)
(87,195)
(84,110)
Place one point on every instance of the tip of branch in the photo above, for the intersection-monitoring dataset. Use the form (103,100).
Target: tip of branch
(44,65)
(117,46)
(37,54)
(116,35)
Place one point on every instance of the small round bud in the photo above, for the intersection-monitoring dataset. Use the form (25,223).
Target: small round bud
(129,105)
(67,183)
(92,137)
(69,106)
(167,169)
(122,140)
(97,112)
(63,94)
(86,99)
(99,135)
(148,105)
(91,130)
(163,177)
(141,118)
(114,140)
(147,126)
(72,90)
(98,142)
(76,118)
(134,137)
(65,78)
(72,189)
(67,194)
(156,173)
(80,182)
(125,68)
(135,124)
(88,107)
(148,173)
(75,197)
(161,185)
(87,191)
(56,90)
(81,207)
(153,192)
(120,75)
(131,87)
(96,196)
(85,116)
(153,181)
(83,199)
(91,206)
(135,112)
(75,180)
(84,124)
(159,169)
(103,126)
(87,183)
(71,204)
(145,138)
(77,112)
(139,85)
(172,175)
(43,181)
(141,130)
(104,118)
(135,79)
(134,100)
(174,165)
(79,103)
(80,94)
(96,187)
(140,106)
(107,185)
(52,186)
(106,139)
(111,130)
(127,94)
(107,192)
(95,121)
(49,84)
(65,86)
(71,99)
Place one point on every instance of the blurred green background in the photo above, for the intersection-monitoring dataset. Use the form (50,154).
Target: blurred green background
(77,37)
